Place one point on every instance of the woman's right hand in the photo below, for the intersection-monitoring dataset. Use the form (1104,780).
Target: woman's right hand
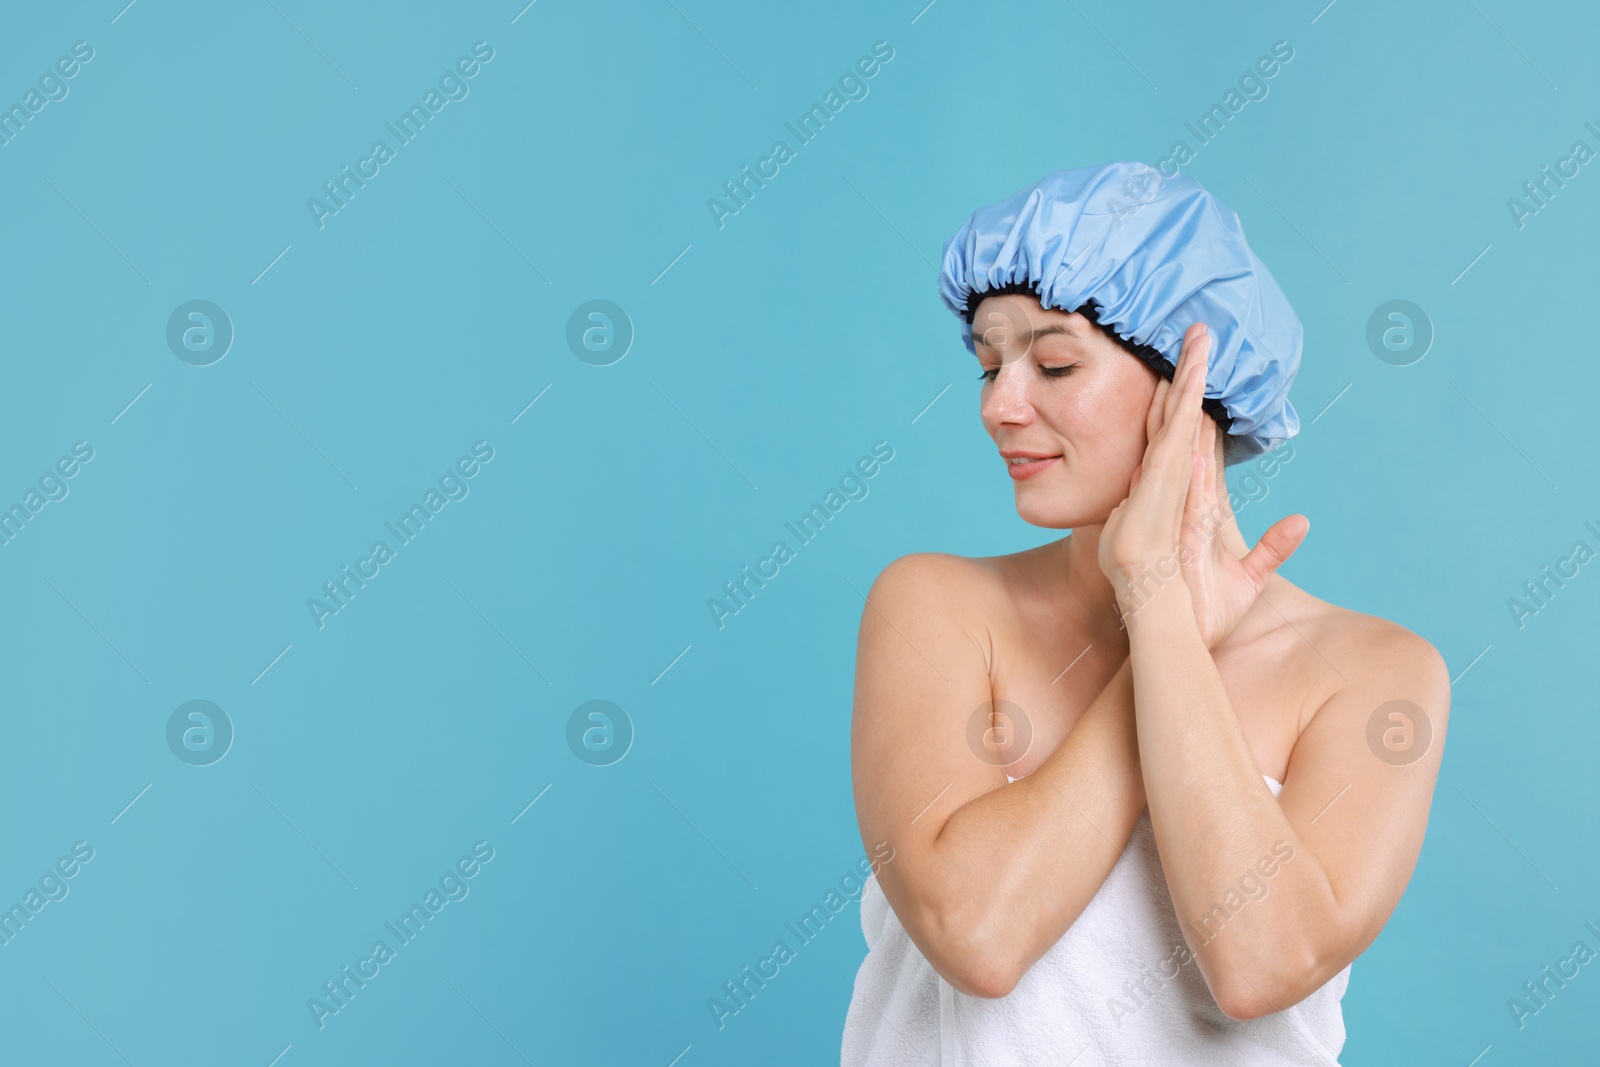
(1224,579)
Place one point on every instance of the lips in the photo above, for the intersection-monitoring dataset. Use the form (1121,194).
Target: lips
(1022,465)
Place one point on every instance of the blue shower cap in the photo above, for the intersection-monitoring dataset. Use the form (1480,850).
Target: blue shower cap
(1154,253)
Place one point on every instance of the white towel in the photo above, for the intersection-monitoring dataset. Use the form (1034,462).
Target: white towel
(1082,1003)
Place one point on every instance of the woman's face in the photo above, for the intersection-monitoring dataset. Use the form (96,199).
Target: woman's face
(1066,406)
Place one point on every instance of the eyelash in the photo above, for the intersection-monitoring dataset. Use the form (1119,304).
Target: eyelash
(1050,372)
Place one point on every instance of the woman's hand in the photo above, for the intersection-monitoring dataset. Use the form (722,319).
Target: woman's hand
(1173,521)
(1139,542)
(1223,579)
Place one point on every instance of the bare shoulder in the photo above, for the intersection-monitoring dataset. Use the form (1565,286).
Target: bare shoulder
(1375,658)
(931,615)
(936,581)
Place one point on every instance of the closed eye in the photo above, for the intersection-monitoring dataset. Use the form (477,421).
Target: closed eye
(1049,372)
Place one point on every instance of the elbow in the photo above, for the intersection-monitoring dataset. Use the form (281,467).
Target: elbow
(981,978)
(1243,1009)
(975,955)
(1250,992)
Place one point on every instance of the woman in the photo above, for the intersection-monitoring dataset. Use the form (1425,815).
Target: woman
(1146,799)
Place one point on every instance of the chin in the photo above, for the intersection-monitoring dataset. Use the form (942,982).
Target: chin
(1064,505)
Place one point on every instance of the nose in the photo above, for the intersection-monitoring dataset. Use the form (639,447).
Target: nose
(1009,399)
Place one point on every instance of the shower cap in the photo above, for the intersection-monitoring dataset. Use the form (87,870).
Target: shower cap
(1153,253)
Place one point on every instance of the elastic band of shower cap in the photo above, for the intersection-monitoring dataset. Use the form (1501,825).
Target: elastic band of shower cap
(1146,354)
(1145,255)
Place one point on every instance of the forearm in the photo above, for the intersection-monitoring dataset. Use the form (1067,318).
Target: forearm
(1218,828)
(1019,864)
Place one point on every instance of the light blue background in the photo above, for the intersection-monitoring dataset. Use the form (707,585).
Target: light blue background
(429,312)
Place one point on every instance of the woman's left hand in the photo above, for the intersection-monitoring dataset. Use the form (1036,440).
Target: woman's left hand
(1140,537)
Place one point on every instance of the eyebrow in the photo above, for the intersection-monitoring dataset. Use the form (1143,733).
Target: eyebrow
(1029,336)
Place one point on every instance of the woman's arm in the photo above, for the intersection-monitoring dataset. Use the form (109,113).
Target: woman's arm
(1275,896)
(985,879)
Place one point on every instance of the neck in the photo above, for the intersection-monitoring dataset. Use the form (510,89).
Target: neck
(1087,589)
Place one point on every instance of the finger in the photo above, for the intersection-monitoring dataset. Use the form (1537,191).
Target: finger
(1176,379)
(1186,355)
(1192,503)
(1182,419)
(1153,420)
(1152,425)
(1208,446)
(1202,354)
(1203,511)
(1193,500)
(1169,403)
(1276,545)
(1199,485)
(1171,455)
(1196,381)
(1169,464)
